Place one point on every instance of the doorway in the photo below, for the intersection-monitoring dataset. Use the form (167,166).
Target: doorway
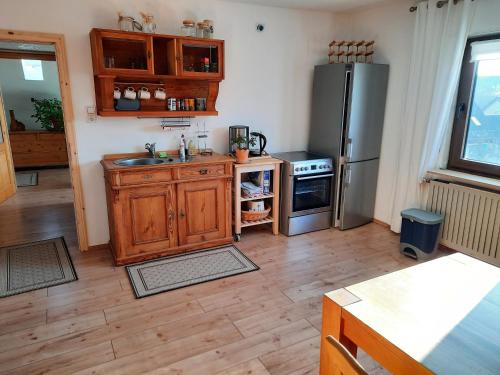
(40,142)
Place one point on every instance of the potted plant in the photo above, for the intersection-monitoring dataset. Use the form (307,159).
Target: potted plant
(48,112)
(242,150)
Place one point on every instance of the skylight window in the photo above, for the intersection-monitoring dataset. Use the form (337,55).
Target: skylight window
(32,70)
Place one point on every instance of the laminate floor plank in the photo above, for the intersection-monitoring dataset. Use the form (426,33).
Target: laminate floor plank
(292,358)
(253,367)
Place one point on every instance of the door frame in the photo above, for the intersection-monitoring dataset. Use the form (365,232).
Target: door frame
(69,122)
(6,141)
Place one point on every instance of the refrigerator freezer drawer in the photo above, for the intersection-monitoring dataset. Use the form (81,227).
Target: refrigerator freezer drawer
(358,190)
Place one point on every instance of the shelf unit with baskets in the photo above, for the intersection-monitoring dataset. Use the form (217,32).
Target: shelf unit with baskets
(244,218)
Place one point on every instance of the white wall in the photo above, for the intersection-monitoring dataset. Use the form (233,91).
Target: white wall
(17,92)
(391,26)
(267,86)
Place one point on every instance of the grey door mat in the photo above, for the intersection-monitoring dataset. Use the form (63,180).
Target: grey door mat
(179,271)
(26,179)
(35,265)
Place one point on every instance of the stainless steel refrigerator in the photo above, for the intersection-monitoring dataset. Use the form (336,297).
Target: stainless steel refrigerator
(347,120)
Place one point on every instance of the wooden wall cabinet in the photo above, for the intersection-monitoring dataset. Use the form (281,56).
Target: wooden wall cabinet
(166,210)
(184,67)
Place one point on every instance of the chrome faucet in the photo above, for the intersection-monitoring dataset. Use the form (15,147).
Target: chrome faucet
(151,147)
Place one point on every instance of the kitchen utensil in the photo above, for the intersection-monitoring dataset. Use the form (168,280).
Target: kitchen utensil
(148,25)
(117,94)
(128,104)
(144,93)
(255,206)
(127,23)
(130,93)
(160,93)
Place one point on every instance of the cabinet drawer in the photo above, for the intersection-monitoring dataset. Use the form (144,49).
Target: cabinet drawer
(201,172)
(135,178)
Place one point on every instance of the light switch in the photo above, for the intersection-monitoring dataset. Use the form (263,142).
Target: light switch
(91,113)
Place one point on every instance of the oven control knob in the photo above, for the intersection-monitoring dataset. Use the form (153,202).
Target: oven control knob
(307,168)
(321,166)
(302,169)
(297,169)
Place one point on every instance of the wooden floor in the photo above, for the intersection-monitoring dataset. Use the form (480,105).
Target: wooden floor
(263,322)
(39,212)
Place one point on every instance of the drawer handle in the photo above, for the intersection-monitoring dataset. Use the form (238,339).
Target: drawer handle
(203,171)
(147,176)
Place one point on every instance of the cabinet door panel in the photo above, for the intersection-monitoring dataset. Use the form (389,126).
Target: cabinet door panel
(201,58)
(120,53)
(202,208)
(149,220)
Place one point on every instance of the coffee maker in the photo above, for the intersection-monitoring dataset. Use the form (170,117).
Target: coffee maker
(236,131)
(244,131)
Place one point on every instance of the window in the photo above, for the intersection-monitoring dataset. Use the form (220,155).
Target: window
(475,141)
(32,70)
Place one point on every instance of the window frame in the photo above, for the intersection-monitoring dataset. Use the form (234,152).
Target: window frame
(461,118)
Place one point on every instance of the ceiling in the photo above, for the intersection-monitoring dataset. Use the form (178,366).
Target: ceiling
(325,5)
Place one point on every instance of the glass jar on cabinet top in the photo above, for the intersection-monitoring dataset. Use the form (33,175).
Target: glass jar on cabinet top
(203,30)
(188,28)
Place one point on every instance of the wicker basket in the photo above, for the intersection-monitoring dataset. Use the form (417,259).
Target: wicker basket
(255,215)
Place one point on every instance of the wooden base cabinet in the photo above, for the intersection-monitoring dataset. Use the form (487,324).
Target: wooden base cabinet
(150,217)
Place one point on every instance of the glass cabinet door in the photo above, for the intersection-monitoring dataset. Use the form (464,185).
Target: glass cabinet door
(201,58)
(128,53)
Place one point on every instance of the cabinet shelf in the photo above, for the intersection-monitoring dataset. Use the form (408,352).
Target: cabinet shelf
(262,196)
(245,223)
(157,113)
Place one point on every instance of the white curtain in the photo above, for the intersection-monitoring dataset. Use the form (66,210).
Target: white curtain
(439,41)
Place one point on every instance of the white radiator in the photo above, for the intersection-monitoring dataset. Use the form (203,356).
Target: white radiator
(471,219)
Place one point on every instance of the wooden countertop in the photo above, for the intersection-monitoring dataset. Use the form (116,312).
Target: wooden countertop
(108,165)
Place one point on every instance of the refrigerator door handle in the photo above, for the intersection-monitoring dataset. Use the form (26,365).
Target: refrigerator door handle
(348,149)
(347,176)
(345,114)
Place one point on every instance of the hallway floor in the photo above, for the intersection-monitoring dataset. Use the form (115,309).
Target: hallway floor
(40,212)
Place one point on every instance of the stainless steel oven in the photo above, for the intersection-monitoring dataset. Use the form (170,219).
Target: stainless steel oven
(306,192)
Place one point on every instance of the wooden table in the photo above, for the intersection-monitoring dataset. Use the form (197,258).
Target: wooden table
(439,317)
(257,165)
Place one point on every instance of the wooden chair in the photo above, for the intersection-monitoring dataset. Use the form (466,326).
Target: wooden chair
(341,360)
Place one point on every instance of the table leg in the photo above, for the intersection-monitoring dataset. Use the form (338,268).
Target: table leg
(332,325)
(276,199)
(237,203)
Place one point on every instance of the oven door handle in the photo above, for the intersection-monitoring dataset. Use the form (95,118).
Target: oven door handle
(313,177)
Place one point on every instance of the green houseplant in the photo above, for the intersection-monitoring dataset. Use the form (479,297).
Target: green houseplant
(242,151)
(48,112)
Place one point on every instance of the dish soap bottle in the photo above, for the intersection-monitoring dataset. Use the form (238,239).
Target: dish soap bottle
(182,149)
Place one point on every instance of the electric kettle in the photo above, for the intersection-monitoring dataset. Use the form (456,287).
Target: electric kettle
(261,142)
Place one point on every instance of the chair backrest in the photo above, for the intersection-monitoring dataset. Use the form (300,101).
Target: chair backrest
(340,358)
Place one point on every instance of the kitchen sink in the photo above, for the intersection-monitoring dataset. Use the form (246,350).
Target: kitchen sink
(142,161)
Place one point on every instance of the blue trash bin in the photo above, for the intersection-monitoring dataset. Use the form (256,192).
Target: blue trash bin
(420,232)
